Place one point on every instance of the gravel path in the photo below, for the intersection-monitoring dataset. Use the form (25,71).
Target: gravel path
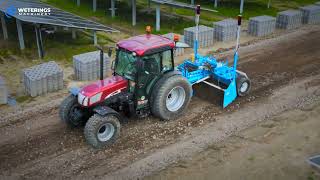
(293,96)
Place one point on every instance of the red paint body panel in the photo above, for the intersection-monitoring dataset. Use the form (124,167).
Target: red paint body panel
(107,87)
(142,43)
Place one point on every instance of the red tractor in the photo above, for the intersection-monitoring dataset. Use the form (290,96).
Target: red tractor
(144,82)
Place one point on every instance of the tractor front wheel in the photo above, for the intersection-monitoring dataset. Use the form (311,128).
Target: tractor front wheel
(101,131)
(171,97)
(70,112)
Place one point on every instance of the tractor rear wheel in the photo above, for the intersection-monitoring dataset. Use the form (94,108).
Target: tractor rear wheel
(243,86)
(70,112)
(171,97)
(102,131)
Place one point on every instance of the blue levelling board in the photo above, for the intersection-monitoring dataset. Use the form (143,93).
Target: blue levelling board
(230,94)
(315,161)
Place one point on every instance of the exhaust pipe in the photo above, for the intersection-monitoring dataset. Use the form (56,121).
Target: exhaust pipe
(101,61)
(102,58)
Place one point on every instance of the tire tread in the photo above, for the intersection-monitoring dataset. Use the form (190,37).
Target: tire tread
(92,126)
(64,108)
(158,108)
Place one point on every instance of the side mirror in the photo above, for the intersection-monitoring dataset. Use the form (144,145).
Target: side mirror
(182,45)
(113,65)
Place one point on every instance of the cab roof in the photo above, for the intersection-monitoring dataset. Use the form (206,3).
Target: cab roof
(143,43)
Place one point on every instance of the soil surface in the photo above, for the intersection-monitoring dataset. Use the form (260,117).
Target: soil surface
(36,144)
(277,148)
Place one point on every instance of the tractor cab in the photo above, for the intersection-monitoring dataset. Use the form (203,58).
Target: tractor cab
(142,60)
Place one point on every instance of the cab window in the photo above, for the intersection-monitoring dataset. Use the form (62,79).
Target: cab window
(125,64)
(152,63)
(167,61)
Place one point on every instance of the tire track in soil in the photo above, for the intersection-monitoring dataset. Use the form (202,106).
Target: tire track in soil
(53,150)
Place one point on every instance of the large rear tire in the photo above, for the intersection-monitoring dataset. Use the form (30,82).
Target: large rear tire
(171,97)
(101,131)
(69,111)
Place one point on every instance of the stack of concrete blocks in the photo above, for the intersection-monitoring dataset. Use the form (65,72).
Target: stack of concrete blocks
(289,19)
(225,30)
(205,36)
(43,78)
(310,14)
(261,25)
(178,51)
(87,66)
(3,91)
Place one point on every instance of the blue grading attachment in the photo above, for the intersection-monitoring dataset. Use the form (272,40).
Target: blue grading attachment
(201,68)
(205,67)
(315,161)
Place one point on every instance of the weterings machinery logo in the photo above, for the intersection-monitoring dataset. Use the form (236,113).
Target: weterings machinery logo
(33,11)
(11,10)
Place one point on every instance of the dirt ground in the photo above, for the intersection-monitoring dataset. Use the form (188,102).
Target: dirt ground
(274,149)
(35,144)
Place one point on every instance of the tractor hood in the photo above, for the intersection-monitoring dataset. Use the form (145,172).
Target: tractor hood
(101,90)
(107,85)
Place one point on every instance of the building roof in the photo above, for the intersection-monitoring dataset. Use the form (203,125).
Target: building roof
(143,43)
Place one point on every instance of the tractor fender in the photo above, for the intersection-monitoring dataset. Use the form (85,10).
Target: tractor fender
(172,73)
(162,76)
(168,74)
(74,91)
(105,110)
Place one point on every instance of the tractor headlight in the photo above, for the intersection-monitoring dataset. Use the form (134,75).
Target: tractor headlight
(83,100)
(95,98)
(86,101)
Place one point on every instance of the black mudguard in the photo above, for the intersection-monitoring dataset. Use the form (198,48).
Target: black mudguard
(104,110)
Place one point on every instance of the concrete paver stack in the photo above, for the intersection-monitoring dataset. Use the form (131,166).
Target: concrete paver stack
(205,37)
(225,30)
(43,78)
(178,51)
(3,91)
(87,66)
(261,25)
(289,19)
(310,14)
